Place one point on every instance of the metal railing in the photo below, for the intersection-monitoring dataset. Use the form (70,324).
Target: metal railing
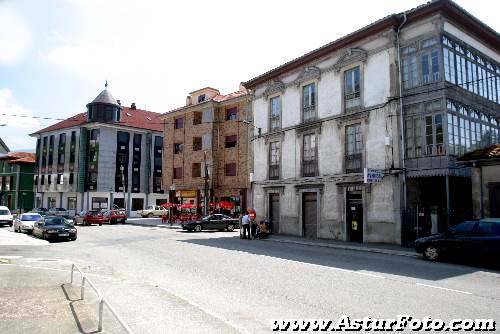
(101,299)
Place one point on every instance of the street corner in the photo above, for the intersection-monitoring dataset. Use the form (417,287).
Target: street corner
(10,238)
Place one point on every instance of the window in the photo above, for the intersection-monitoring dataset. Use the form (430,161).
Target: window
(60,179)
(178,148)
(42,181)
(410,71)
(71,178)
(353,149)
(196,170)
(51,151)
(232,114)
(230,169)
(179,123)
(197,117)
(197,143)
(470,70)
(309,156)
(71,203)
(462,229)
(274,160)
(72,148)
(352,90)
(309,102)
(275,112)
(178,173)
(469,129)
(231,141)
(49,179)
(201,98)
(488,229)
(430,67)
(8,183)
(99,203)
(61,149)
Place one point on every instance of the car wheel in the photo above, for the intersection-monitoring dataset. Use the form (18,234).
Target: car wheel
(197,228)
(431,253)
(230,228)
(100,224)
(150,215)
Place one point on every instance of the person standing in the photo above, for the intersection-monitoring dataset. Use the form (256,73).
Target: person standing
(245,224)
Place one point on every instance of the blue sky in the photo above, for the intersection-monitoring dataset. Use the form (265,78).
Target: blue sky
(56,54)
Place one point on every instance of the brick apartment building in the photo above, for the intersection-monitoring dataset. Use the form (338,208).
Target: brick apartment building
(208,128)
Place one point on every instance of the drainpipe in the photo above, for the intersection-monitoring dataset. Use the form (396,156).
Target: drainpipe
(401,110)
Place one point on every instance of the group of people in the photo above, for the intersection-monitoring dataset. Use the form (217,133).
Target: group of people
(253,230)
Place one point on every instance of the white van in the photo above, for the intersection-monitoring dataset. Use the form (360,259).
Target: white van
(5,216)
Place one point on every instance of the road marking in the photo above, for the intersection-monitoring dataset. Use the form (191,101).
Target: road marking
(210,313)
(10,257)
(441,288)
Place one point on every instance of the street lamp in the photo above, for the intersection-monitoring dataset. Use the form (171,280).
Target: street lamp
(123,187)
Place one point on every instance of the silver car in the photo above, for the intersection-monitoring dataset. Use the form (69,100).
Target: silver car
(25,222)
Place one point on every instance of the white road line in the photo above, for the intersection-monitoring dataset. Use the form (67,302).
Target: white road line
(66,270)
(212,314)
(441,288)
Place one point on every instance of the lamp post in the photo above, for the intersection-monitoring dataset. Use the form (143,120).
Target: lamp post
(123,187)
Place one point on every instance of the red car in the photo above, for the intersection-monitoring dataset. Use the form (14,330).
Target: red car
(116,216)
(91,217)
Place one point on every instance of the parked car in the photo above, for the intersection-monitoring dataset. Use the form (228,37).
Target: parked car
(153,211)
(26,221)
(6,217)
(90,217)
(477,239)
(116,216)
(212,222)
(58,212)
(41,211)
(54,227)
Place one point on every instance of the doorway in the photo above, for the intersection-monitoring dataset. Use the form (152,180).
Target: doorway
(310,215)
(274,212)
(354,216)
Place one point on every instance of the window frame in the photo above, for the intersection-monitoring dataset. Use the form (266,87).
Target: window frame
(179,123)
(232,143)
(274,169)
(228,170)
(272,118)
(311,164)
(312,108)
(345,73)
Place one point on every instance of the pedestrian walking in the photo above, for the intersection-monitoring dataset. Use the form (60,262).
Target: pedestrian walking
(164,218)
(245,224)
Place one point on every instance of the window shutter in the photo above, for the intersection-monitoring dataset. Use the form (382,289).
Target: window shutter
(208,116)
(207,141)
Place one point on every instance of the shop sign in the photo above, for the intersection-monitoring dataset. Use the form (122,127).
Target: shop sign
(187,193)
(373,175)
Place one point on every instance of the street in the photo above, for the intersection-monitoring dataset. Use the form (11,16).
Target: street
(161,279)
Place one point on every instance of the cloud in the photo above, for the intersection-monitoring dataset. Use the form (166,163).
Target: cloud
(15,37)
(15,132)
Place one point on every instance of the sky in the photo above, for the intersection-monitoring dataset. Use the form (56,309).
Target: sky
(55,55)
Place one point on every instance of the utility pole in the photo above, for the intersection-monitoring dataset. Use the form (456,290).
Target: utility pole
(123,185)
(206,202)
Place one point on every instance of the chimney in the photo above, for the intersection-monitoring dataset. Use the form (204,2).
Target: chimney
(189,100)
(119,102)
(132,106)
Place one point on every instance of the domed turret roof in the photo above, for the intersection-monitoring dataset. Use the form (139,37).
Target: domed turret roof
(105,97)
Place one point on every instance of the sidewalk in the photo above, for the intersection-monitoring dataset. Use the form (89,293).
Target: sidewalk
(156,222)
(365,247)
(41,301)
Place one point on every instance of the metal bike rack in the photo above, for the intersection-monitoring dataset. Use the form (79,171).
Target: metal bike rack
(101,299)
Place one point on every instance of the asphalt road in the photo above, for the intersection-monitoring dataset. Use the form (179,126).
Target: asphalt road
(164,280)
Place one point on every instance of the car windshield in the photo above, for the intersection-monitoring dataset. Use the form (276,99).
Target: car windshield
(34,217)
(55,221)
(4,212)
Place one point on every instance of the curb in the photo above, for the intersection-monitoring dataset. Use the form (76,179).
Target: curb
(347,247)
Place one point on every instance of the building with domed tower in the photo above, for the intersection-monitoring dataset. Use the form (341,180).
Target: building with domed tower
(108,156)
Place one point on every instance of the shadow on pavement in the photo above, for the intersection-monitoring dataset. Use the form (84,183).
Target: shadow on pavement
(344,259)
(74,306)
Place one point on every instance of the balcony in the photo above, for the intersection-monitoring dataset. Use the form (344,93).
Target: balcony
(353,163)
(274,172)
(309,168)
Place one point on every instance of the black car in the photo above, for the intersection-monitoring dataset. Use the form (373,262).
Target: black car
(478,239)
(54,227)
(212,222)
